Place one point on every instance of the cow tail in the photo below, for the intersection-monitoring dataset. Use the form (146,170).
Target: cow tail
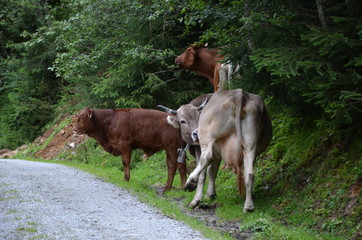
(238,115)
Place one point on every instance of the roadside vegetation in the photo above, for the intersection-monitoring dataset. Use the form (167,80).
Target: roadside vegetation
(303,57)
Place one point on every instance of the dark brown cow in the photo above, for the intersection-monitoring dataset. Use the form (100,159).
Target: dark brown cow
(122,130)
(206,62)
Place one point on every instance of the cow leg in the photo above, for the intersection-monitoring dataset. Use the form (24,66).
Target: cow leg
(250,138)
(126,160)
(171,170)
(212,171)
(249,157)
(199,189)
(205,160)
(200,183)
(181,167)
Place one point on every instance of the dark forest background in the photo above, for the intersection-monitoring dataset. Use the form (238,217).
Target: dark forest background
(59,56)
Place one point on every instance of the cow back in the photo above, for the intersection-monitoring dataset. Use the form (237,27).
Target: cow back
(219,117)
(200,99)
(146,129)
(124,129)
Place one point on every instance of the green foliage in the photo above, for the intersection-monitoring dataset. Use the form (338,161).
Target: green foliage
(307,176)
(114,58)
(28,88)
(67,55)
(285,52)
(102,54)
(259,225)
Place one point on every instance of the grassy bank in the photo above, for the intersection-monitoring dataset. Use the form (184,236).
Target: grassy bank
(303,185)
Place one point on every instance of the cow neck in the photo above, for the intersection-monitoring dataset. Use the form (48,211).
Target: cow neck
(101,120)
(205,62)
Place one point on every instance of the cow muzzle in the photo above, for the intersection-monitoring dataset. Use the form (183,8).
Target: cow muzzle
(178,61)
(195,135)
(78,131)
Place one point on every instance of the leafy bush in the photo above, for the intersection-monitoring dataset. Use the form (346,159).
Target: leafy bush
(259,225)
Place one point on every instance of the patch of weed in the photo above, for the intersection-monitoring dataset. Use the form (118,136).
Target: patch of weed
(27,229)
(11,211)
(40,237)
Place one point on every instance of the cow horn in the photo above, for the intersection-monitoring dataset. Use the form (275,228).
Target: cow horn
(173,112)
(202,105)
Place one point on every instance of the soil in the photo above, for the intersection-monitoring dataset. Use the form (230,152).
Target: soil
(206,213)
(63,140)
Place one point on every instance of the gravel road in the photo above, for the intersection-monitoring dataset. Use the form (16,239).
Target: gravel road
(51,201)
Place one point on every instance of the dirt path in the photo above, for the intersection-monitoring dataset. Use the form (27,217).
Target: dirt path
(50,201)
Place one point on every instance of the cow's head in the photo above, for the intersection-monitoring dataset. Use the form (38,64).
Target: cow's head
(186,118)
(83,121)
(186,59)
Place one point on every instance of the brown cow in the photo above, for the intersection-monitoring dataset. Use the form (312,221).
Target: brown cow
(122,130)
(207,63)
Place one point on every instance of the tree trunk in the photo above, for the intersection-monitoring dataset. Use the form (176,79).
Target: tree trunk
(321,15)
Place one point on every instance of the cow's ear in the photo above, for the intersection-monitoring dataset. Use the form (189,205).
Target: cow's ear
(172,120)
(90,113)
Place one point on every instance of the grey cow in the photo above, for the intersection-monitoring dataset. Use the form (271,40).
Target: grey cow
(233,126)
(186,119)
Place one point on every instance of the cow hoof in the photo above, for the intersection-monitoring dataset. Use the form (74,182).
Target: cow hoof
(166,189)
(194,204)
(212,196)
(248,209)
(191,185)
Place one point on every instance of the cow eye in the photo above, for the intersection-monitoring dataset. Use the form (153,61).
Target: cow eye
(183,121)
